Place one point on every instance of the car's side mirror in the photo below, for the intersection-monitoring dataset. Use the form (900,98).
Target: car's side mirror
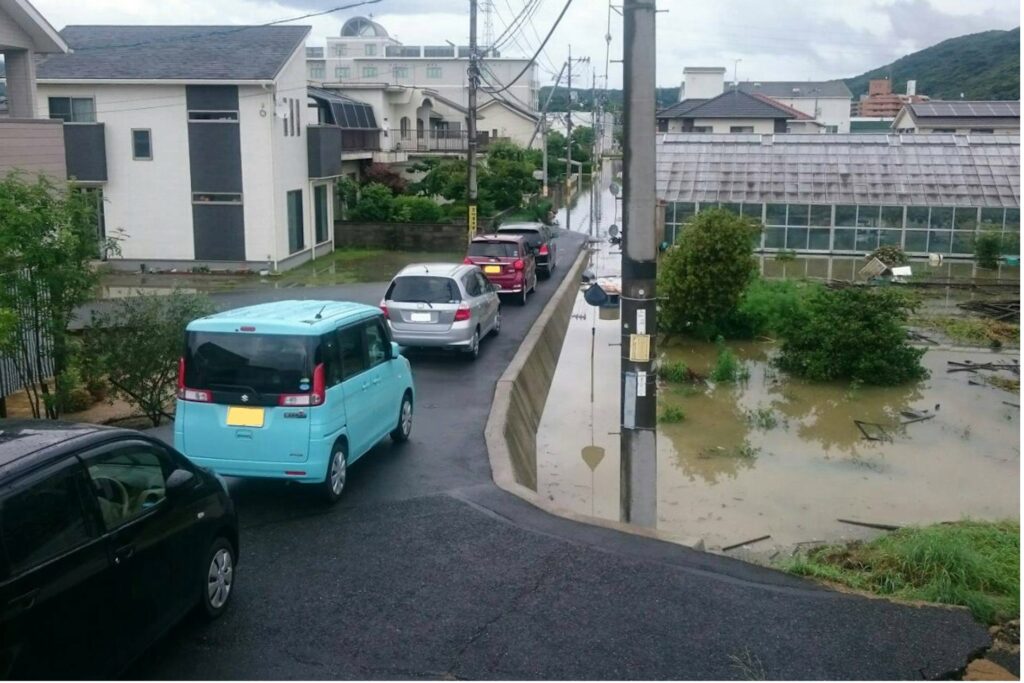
(178,481)
(395,351)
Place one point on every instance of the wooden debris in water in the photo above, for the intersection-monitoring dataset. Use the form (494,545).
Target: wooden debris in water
(739,545)
(1003,309)
(873,431)
(871,525)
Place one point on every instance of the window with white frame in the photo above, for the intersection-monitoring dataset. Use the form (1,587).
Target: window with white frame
(73,109)
(142,144)
(342,73)
(316,71)
(371,50)
(433,72)
(401,72)
(369,72)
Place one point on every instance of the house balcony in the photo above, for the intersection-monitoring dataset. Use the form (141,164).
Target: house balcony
(32,147)
(85,151)
(435,141)
(328,145)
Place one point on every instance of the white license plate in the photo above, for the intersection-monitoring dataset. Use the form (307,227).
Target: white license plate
(419,317)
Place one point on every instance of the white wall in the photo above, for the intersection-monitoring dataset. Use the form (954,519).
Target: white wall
(507,123)
(150,201)
(833,111)
(701,85)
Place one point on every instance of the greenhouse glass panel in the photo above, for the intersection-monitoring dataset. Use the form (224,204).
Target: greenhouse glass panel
(845,240)
(916,241)
(939,241)
(798,214)
(684,211)
(892,216)
(965,218)
(867,240)
(963,242)
(734,208)
(796,238)
(754,211)
(819,239)
(1012,220)
(1012,245)
(942,218)
(846,215)
(776,214)
(991,219)
(867,216)
(917,217)
(821,215)
(774,238)
(891,237)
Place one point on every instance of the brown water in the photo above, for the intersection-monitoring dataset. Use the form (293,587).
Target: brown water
(780,456)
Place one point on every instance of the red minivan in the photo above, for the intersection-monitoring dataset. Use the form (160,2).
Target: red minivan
(508,261)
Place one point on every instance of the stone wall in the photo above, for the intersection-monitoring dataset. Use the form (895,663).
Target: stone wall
(428,237)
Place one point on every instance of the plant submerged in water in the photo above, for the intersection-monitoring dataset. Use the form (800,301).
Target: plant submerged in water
(728,369)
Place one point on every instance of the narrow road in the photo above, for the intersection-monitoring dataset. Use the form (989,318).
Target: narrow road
(427,570)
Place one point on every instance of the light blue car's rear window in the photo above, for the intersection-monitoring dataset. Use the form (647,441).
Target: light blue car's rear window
(262,363)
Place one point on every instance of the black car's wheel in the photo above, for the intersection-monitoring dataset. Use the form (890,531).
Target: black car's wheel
(403,429)
(218,578)
(337,472)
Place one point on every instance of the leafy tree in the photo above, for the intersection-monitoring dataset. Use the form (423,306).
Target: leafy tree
(375,205)
(138,344)
(988,247)
(48,241)
(702,279)
(582,147)
(417,209)
(348,190)
(855,334)
(508,175)
(382,175)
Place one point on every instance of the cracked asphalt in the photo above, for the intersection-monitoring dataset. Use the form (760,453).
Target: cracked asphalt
(425,569)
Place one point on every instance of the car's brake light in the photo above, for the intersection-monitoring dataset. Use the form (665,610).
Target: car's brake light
(468,261)
(181,375)
(384,308)
(543,250)
(519,265)
(462,312)
(186,394)
(313,398)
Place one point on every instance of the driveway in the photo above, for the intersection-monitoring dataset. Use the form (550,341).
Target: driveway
(426,570)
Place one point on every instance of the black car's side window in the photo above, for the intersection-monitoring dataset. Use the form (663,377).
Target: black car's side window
(46,518)
(350,347)
(128,481)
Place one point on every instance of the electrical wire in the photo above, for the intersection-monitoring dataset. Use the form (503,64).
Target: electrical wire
(537,53)
(513,26)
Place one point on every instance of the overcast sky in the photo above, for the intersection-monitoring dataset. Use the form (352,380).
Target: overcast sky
(775,39)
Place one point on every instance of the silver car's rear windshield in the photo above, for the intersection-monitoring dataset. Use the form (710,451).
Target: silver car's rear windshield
(494,249)
(424,289)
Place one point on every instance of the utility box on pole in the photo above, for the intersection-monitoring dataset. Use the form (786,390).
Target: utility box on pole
(638,440)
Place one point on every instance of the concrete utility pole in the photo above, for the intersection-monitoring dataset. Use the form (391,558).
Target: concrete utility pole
(638,441)
(568,148)
(544,151)
(474,82)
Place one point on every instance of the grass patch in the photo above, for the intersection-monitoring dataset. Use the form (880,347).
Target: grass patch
(1004,383)
(671,415)
(762,418)
(728,369)
(347,266)
(673,371)
(972,564)
(974,331)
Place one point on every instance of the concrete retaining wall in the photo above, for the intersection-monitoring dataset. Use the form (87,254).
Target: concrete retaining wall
(436,237)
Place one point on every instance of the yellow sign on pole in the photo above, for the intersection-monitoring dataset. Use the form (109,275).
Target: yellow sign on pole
(639,348)
(472,219)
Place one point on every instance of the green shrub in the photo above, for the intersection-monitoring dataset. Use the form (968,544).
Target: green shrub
(728,368)
(673,371)
(786,255)
(854,333)
(988,247)
(890,255)
(416,210)
(671,415)
(765,309)
(376,205)
(78,399)
(702,280)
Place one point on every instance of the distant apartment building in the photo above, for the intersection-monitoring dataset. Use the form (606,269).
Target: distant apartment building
(881,101)
(962,117)
(826,102)
(421,92)
(29,141)
(201,141)
(847,194)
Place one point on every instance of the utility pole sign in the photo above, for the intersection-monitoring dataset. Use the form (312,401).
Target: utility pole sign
(638,442)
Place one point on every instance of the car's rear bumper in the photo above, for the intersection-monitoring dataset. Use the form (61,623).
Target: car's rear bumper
(306,472)
(459,334)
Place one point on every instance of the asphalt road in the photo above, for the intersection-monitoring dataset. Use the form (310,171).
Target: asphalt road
(426,570)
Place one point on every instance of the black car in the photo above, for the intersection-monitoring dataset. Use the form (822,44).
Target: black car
(541,239)
(107,539)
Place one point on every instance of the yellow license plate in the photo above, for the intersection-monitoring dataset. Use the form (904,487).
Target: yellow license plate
(492,269)
(245,417)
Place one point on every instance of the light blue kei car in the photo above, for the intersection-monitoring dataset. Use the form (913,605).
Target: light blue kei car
(291,390)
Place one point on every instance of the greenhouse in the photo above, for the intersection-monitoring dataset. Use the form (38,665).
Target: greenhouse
(847,194)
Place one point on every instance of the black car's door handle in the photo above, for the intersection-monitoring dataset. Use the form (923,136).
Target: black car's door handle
(124,553)
(22,603)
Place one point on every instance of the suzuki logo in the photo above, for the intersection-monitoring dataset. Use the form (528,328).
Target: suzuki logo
(245,398)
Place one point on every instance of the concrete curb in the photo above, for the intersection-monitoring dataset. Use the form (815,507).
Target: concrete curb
(519,398)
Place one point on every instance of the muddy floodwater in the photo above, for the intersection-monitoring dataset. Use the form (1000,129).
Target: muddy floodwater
(781,457)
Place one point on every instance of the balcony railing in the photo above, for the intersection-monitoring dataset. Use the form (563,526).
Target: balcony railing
(411,140)
(360,140)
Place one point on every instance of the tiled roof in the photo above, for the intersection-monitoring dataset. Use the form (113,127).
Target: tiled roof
(796,88)
(797,114)
(231,53)
(679,108)
(965,108)
(733,105)
(927,169)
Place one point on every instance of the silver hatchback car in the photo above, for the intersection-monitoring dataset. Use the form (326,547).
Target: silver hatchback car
(442,305)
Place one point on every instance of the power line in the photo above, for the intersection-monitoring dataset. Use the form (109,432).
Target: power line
(207,34)
(513,26)
(537,53)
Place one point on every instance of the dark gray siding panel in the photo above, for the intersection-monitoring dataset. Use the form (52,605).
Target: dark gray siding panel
(219,232)
(215,157)
(212,97)
(324,148)
(85,151)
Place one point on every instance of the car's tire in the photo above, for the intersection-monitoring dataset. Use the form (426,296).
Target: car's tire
(522,298)
(218,578)
(544,273)
(496,329)
(473,351)
(401,432)
(337,474)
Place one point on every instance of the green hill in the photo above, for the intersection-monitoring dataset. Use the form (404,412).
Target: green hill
(982,66)
(582,100)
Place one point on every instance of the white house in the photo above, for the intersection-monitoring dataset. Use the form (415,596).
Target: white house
(828,102)
(734,112)
(963,117)
(200,140)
